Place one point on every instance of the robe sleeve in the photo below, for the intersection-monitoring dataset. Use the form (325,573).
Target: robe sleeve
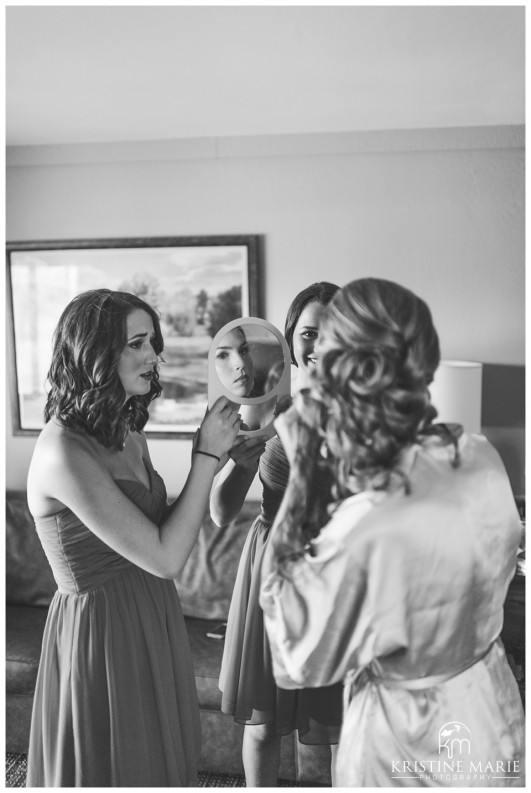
(337,608)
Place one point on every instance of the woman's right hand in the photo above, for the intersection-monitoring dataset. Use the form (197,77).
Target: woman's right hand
(219,429)
(246,451)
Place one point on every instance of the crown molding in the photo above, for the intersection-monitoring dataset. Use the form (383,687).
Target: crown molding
(256,146)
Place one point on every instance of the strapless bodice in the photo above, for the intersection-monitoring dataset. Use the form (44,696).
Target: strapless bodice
(80,561)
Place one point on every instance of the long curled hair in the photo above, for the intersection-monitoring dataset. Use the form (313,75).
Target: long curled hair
(321,292)
(369,398)
(85,390)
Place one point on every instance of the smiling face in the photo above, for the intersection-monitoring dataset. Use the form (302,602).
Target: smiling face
(234,364)
(305,337)
(138,358)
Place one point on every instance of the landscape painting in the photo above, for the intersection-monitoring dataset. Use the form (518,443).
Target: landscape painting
(196,284)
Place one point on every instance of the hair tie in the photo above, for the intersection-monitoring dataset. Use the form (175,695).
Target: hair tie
(207,454)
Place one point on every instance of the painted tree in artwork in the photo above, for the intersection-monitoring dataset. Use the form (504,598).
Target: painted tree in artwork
(145,286)
(201,306)
(179,313)
(225,307)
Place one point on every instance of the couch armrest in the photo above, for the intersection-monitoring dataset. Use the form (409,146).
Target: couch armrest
(29,579)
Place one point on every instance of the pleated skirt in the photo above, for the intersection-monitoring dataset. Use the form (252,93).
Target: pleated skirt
(115,702)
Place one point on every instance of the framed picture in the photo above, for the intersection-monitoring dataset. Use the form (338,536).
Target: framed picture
(197,285)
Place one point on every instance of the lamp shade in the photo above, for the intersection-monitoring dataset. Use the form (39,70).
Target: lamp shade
(456,393)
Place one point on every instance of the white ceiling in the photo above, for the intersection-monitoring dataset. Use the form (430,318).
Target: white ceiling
(122,73)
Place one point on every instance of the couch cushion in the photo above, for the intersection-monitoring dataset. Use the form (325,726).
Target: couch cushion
(18,722)
(29,579)
(206,583)
(24,630)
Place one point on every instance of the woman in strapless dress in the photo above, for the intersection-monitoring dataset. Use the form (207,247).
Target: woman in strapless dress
(249,691)
(115,702)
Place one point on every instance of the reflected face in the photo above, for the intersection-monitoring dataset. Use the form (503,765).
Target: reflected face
(234,364)
(306,335)
(138,359)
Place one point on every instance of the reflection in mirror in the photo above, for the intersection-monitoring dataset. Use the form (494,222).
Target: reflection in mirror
(234,363)
(249,361)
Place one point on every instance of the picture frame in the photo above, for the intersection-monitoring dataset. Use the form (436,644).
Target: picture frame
(196,284)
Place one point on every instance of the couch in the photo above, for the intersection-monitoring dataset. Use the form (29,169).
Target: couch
(205,589)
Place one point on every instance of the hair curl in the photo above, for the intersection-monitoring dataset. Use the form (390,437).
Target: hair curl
(86,392)
(378,353)
(369,399)
(321,292)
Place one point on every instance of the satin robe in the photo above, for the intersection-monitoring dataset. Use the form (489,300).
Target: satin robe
(401,597)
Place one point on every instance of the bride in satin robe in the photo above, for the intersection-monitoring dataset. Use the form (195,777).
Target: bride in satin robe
(395,586)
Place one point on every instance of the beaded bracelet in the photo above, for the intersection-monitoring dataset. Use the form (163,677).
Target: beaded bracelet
(207,454)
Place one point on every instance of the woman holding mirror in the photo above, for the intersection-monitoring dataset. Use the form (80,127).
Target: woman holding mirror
(115,702)
(246,679)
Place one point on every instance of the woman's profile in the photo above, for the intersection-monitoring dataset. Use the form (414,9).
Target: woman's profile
(115,701)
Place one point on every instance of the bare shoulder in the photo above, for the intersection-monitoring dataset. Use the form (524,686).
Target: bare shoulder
(57,445)
(60,455)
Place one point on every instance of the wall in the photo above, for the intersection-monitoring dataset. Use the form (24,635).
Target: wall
(441,211)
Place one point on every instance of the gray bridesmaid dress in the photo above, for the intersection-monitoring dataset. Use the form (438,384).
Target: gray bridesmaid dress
(249,691)
(115,702)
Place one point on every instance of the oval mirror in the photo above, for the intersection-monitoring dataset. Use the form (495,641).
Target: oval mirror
(249,363)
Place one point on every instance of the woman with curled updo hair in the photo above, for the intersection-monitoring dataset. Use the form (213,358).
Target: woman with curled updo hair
(115,702)
(397,586)
(377,358)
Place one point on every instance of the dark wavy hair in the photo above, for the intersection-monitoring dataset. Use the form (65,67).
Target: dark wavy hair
(85,391)
(322,292)
(369,398)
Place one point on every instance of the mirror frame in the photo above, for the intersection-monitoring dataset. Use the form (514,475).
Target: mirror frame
(217,389)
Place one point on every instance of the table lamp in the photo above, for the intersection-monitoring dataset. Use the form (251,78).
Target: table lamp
(456,393)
